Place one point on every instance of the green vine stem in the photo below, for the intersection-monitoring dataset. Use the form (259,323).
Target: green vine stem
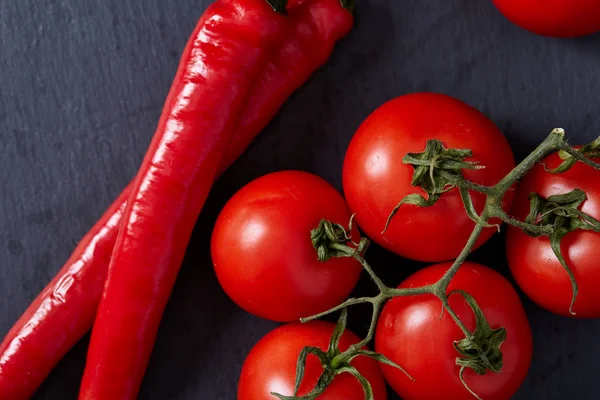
(438,170)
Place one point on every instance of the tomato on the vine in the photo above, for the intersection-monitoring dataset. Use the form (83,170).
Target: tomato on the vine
(375,178)
(262,251)
(532,261)
(271,365)
(413,333)
(558,18)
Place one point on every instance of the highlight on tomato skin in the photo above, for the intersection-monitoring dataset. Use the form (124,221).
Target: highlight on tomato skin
(411,333)
(262,251)
(375,178)
(535,267)
(271,365)
(554,18)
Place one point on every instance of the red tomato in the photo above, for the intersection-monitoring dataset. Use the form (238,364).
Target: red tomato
(411,333)
(532,262)
(262,252)
(376,179)
(271,365)
(558,18)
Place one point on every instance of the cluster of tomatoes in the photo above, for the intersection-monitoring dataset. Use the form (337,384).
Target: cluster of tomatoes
(265,261)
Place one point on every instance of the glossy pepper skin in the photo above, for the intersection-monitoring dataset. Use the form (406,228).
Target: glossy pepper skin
(62,313)
(222,60)
(65,309)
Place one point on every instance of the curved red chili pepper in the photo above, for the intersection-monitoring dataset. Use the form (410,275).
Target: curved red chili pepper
(222,60)
(62,313)
(65,309)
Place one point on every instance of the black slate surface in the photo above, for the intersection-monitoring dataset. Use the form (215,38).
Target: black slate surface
(82,83)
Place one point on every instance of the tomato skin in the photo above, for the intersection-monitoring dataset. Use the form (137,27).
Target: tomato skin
(271,365)
(532,262)
(375,179)
(262,253)
(411,333)
(557,18)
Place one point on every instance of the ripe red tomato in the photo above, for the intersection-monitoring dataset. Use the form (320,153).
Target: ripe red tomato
(558,18)
(271,365)
(376,179)
(411,333)
(262,252)
(532,262)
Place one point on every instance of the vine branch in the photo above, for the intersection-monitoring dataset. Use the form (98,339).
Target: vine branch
(437,171)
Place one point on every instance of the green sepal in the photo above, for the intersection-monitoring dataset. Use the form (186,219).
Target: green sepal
(364,382)
(436,157)
(324,380)
(481,350)
(436,171)
(380,358)
(415,200)
(301,364)
(330,241)
(562,213)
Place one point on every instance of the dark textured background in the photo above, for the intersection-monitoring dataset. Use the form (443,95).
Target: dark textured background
(82,83)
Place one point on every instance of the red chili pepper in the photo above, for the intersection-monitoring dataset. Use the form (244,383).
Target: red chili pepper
(62,313)
(65,309)
(222,60)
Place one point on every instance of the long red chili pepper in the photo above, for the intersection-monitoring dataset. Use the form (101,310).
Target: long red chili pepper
(65,309)
(222,60)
